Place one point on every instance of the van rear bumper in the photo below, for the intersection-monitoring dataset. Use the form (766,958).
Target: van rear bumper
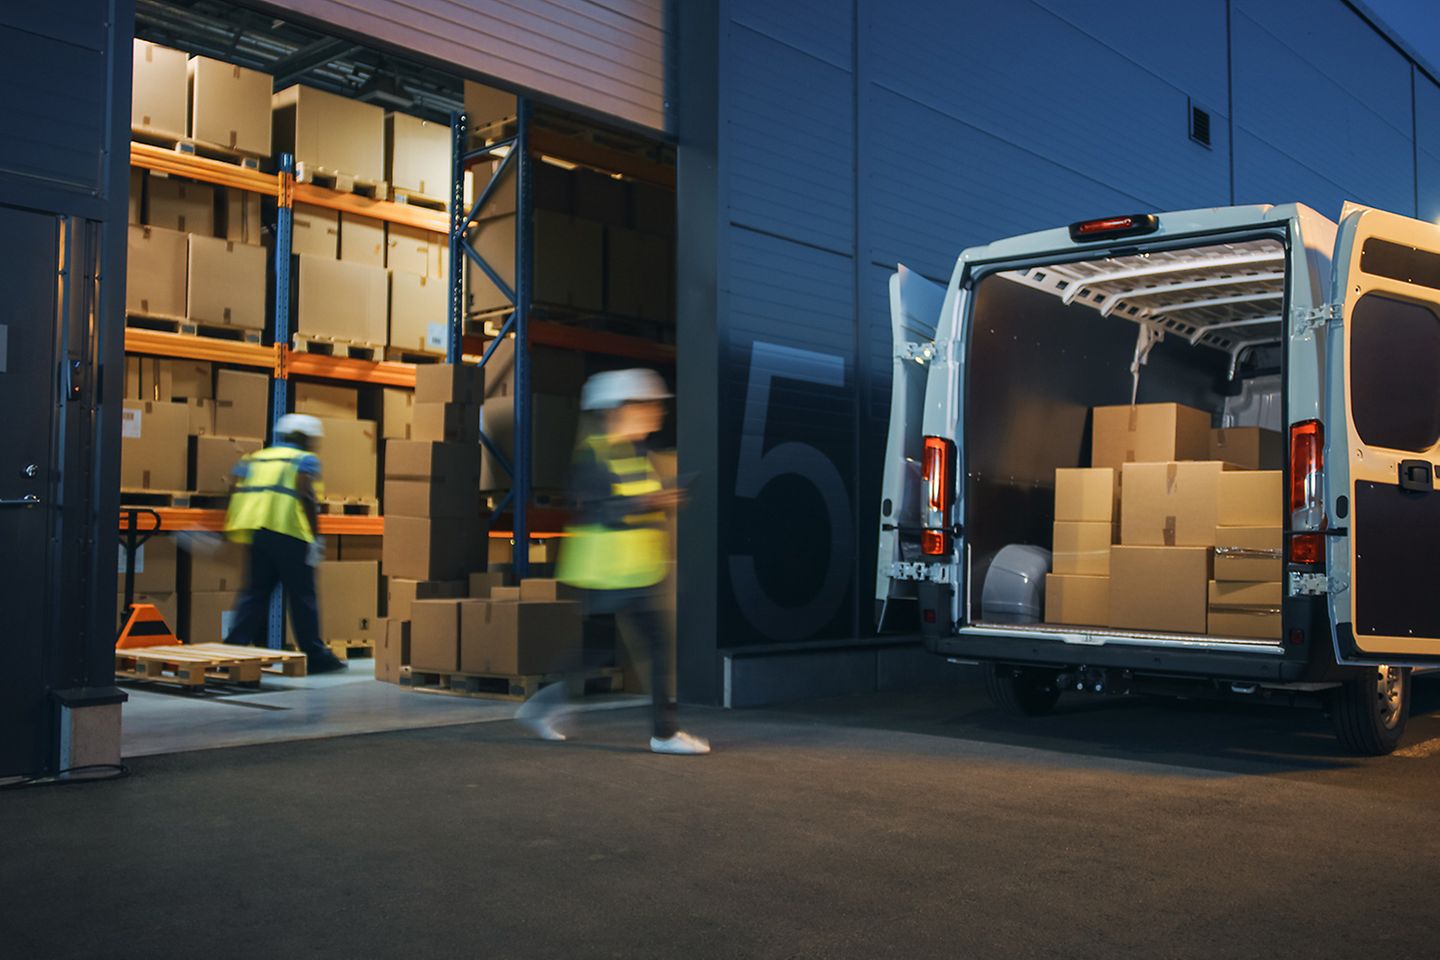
(1265,667)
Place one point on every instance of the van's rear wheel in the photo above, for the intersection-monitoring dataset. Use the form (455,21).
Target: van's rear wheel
(1024,691)
(1370,711)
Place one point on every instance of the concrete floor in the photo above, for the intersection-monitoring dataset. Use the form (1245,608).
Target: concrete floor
(906,826)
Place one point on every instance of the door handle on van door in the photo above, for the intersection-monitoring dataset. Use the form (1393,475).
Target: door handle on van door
(1417,476)
(29,500)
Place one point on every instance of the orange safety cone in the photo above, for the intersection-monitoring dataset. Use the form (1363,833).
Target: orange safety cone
(145,627)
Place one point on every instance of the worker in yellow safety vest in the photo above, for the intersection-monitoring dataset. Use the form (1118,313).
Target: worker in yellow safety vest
(617,551)
(273,509)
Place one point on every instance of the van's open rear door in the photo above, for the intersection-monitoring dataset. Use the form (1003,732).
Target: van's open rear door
(1386,431)
(915,306)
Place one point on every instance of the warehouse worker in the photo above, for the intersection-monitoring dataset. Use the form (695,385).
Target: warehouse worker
(273,509)
(618,549)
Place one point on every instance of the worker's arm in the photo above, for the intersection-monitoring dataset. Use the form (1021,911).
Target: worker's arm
(305,486)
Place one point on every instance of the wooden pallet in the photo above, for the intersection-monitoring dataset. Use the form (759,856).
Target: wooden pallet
(199,148)
(402,355)
(337,347)
(351,506)
(341,182)
(193,665)
(190,328)
(352,649)
(500,687)
(131,497)
(417,199)
(285,663)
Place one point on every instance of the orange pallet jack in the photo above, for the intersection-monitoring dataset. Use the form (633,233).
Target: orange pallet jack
(143,625)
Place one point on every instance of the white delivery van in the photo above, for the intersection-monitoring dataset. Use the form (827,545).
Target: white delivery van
(1260,315)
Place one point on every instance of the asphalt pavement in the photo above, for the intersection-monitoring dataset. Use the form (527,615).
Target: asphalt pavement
(886,825)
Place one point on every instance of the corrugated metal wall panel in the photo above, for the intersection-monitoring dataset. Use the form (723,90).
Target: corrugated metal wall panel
(791,117)
(54,109)
(1266,174)
(607,55)
(1427,142)
(809,25)
(80,23)
(1339,123)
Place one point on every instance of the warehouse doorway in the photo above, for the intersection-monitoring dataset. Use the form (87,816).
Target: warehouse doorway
(358,302)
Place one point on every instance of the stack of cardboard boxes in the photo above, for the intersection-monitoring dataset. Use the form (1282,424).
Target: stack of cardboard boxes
(349,456)
(1177,500)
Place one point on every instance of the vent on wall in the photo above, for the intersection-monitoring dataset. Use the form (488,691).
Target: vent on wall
(1200,125)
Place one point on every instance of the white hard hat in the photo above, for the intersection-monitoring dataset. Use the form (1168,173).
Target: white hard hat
(608,390)
(301,423)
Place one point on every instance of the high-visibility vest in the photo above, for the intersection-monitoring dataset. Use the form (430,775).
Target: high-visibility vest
(601,557)
(267,497)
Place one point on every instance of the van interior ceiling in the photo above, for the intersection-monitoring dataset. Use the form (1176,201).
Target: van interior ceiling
(1199,326)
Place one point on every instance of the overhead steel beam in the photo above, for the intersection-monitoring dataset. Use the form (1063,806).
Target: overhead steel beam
(288,70)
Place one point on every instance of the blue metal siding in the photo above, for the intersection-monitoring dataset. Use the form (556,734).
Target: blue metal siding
(54,110)
(1427,148)
(820,28)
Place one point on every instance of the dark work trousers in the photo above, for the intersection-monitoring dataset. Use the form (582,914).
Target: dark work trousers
(278,560)
(639,613)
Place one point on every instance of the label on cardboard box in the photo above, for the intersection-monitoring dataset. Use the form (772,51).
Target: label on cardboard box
(437,336)
(130,424)
(1169,504)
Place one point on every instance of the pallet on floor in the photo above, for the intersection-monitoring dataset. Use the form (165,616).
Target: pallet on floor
(194,665)
(351,506)
(286,663)
(341,182)
(189,328)
(199,148)
(352,649)
(337,347)
(489,686)
(416,199)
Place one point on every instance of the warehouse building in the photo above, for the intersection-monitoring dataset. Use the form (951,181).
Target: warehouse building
(718,189)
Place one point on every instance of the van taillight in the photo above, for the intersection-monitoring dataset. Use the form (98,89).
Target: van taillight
(938,472)
(1307,495)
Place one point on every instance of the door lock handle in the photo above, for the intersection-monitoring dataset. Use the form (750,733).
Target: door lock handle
(29,500)
(1417,476)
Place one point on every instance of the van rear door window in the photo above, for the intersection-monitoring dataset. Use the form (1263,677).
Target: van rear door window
(1394,261)
(1394,372)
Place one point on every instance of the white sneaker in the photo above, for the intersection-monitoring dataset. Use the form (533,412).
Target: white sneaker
(540,719)
(681,744)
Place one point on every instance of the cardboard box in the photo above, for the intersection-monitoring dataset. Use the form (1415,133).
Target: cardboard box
(445,497)
(1249,553)
(481,584)
(154,445)
(157,94)
(167,603)
(1148,433)
(1253,448)
(425,548)
(181,205)
(132,379)
(243,220)
(212,616)
(422,253)
(222,570)
(324,400)
(346,301)
(137,196)
(435,634)
(555,421)
(419,313)
(1160,589)
(1089,494)
(453,422)
(417,156)
(227,283)
(431,479)
(155,271)
(519,638)
(329,133)
(184,379)
(1077,600)
(315,231)
(392,650)
(360,547)
(503,594)
(1249,610)
(348,593)
(1082,548)
(397,412)
(229,106)
(449,383)
(403,593)
(570,260)
(156,562)
(541,588)
(1170,504)
(494,240)
(1252,498)
(552,371)
(362,240)
(215,459)
(242,404)
(202,417)
(348,460)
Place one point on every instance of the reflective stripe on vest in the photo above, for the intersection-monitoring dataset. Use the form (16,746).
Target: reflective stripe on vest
(597,557)
(268,497)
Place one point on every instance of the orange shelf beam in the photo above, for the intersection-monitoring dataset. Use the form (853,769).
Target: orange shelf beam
(407,215)
(386,373)
(169,161)
(566,337)
(183,346)
(181,519)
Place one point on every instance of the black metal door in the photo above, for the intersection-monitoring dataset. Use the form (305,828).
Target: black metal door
(29,313)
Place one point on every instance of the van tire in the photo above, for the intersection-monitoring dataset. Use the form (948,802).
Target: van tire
(1022,691)
(1370,710)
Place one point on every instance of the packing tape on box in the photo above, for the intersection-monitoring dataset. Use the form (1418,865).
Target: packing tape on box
(1170,530)
(1247,553)
(1172,472)
(1251,609)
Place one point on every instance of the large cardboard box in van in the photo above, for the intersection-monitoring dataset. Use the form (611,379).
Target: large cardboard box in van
(229,106)
(1160,589)
(330,133)
(1077,600)
(348,460)
(1148,433)
(242,403)
(154,445)
(155,266)
(227,283)
(1170,504)
(315,231)
(346,301)
(1251,498)
(1246,609)
(417,156)
(1252,448)
(157,94)
(1249,553)
(1088,494)
(181,205)
(1082,548)
(419,313)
